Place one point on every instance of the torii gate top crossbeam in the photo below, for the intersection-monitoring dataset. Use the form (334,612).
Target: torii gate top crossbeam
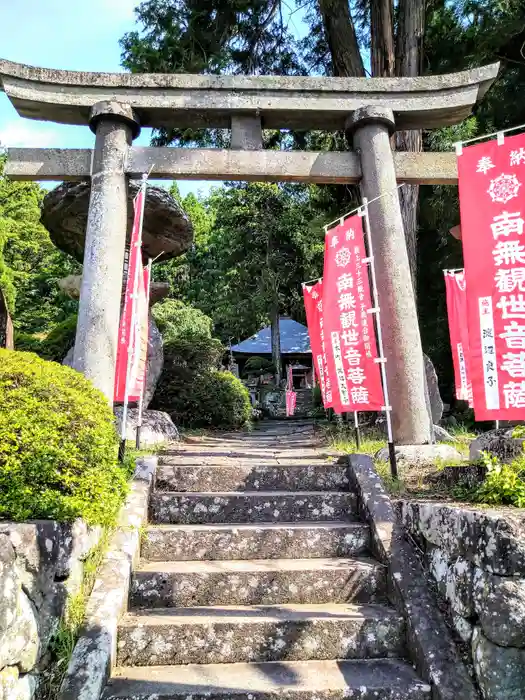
(209,101)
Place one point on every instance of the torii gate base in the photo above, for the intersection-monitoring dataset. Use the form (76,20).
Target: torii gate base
(116,105)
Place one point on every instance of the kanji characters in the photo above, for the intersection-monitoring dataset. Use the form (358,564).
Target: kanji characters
(510,280)
(343,257)
(514,336)
(350,234)
(315,295)
(353,356)
(350,337)
(517,157)
(514,394)
(344,282)
(348,320)
(346,302)
(514,364)
(356,375)
(334,242)
(505,224)
(509,253)
(513,306)
(484,165)
(359,394)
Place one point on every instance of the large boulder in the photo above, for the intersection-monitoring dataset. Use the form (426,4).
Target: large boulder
(167,230)
(499,443)
(157,427)
(500,604)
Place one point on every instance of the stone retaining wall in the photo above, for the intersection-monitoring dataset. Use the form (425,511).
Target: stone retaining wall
(477,559)
(41,563)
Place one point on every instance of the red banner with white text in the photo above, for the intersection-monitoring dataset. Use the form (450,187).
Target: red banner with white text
(492,205)
(348,323)
(313,304)
(458,329)
(133,329)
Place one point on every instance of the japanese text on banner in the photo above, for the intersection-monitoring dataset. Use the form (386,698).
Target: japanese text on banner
(492,204)
(313,304)
(348,323)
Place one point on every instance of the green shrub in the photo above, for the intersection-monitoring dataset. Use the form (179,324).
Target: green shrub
(27,342)
(57,444)
(60,340)
(176,319)
(504,483)
(258,365)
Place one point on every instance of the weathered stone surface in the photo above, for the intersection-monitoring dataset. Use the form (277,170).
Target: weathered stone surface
(421,454)
(272,582)
(209,101)
(157,427)
(187,477)
(254,506)
(500,670)
(454,580)
(239,634)
(500,605)
(263,541)
(499,443)
(20,645)
(442,435)
(9,586)
(429,643)
(167,230)
(436,402)
(381,679)
(489,539)
(95,651)
(463,628)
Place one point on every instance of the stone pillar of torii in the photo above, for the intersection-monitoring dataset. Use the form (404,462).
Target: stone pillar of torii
(116,105)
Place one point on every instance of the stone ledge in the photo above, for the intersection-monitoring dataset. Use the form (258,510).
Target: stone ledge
(95,652)
(429,642)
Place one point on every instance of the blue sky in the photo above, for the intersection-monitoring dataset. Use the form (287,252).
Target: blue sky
(69,35)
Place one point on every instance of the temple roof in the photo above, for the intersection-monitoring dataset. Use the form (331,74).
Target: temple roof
(294,340)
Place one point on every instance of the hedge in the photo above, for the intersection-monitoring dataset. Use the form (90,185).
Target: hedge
(58,444)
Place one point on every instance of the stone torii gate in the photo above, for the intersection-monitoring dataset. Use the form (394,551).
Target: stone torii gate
(116,105)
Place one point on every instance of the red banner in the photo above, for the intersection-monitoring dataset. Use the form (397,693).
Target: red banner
(313,304)
(133,329)
(457,324)
(492,204)
(291,401)
(348,323)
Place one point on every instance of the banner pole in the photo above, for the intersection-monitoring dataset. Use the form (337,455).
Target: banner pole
(122,448)
(141,402)
(357,432)
(382,361)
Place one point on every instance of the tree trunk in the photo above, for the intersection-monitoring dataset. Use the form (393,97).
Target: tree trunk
(276,343)
(409,55)
(382,38)
(341,38)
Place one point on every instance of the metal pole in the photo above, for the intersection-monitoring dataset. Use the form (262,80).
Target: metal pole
(382,361)
(357,433)
(141,402)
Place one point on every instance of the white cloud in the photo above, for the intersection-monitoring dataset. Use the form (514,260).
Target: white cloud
(22,133)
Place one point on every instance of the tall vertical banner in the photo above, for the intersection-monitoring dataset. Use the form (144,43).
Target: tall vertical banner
(313,304)
(348,323)
(455,287)
(492,205)
(133,329)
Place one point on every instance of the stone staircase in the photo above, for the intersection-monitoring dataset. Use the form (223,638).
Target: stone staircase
(256,583)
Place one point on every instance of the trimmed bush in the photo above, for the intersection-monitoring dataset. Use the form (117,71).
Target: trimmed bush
(27,342)
(60,339)
(58,444)
(221,400)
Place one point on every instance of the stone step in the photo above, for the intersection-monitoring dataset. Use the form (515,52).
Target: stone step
(381,679)
(185,476)
(257,582)
(231,634)
(251,506)
(261,541)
